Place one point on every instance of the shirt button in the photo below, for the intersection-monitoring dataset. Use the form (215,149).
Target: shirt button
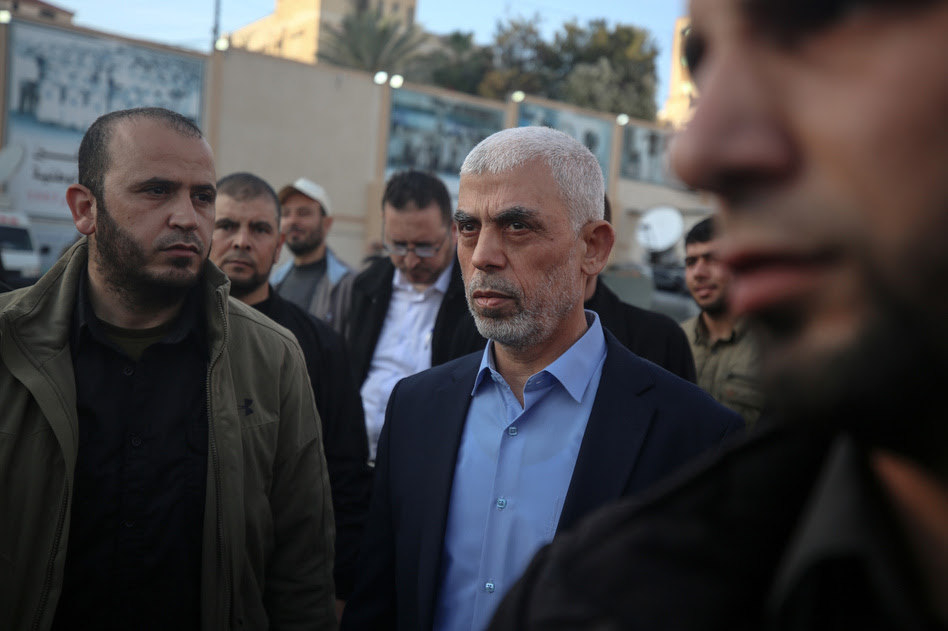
(501,503)
(489,588)
(512,431)
(136,441)
(128,371)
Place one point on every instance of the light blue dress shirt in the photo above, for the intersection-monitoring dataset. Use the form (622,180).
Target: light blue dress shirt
(513,471)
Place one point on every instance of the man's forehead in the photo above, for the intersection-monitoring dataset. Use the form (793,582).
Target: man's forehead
(247,210)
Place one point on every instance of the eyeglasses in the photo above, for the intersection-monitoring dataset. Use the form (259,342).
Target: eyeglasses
(423,251)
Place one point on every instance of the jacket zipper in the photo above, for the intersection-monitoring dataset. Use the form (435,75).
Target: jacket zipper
(52,559)
(215,459)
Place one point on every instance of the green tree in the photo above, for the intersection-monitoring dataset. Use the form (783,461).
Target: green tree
(623,56)
(521,60)
(457,64)
(366,40)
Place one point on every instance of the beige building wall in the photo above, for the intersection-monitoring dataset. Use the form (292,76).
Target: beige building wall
(283,120)
(294,29)
(681,91)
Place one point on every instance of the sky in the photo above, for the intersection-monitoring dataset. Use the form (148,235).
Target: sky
(189,23)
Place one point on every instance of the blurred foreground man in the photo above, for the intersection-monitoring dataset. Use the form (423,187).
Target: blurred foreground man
(159,463)
(725,350)
(821,128)
(246,243)
(484,459)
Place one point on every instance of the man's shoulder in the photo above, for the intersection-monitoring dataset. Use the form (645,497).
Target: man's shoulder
(378,273)
(246,323)
(299,321)
(444,374)
(626,374)
(711,540)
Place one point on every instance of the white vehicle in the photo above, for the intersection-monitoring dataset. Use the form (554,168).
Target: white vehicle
(18,252)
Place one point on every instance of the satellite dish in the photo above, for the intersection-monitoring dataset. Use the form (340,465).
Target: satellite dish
(10,158)
(660,229)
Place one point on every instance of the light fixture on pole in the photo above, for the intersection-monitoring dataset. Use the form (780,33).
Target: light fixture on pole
(380,77)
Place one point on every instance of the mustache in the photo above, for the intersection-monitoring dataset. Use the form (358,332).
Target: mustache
(183,238)
(482,282)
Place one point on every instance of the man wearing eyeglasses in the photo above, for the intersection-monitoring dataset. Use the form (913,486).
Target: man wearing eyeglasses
(408,311)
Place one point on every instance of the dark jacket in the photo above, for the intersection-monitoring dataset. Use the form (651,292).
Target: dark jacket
(645,424)
(788,531)
(344,438)
(268,532)
(454,335)
(649,335)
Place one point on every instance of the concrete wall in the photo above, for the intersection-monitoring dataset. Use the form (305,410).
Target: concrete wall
(283,120)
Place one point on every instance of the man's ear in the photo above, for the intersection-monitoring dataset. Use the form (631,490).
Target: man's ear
(82,204)
(327,224)
(599,237)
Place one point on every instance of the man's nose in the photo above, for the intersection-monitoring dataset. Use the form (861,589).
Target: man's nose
(242,239)
(183,213)
(487,253)
(736,136)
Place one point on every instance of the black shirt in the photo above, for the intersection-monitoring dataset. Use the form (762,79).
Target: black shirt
(344,439)
(134,552)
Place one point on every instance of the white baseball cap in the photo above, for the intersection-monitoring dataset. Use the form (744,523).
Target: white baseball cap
(308,188)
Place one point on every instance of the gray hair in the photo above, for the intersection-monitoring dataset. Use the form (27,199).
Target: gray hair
(575,169)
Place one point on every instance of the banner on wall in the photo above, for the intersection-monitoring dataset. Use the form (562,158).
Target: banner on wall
(644,156)
(595,133)
(59,82)
(435,133)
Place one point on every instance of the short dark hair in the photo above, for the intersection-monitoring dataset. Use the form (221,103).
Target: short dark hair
(419,187)
(243,187)
(94,148)
(701,232)
(606,208)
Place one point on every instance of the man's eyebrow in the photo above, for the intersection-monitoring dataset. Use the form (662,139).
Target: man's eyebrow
(516,213)
(157,181)
(460,216)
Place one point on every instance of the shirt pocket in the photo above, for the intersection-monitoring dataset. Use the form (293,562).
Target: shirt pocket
(742,391)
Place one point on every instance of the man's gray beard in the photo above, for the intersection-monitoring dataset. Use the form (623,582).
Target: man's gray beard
(527,327)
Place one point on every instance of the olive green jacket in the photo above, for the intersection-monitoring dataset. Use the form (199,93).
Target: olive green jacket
(727,369)
(268,523)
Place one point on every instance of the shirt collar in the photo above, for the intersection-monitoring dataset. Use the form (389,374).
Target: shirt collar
(573,369)
(702,336)
(440,285)
(188,322)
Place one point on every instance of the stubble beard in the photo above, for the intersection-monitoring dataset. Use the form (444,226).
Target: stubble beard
(883,387)
(530,324)
(122,262)
(313,242)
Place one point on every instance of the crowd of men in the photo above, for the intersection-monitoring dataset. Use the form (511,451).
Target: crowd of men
(473,431)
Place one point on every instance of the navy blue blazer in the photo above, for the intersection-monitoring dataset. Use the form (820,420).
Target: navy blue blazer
(645,423)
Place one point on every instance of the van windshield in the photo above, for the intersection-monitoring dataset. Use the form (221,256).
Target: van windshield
(12,238)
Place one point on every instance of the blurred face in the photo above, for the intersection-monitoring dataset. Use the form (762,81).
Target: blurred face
(414,227)
(303,224)
(246,244)
(821,129)
(520,257)
(152,229)
(707,278)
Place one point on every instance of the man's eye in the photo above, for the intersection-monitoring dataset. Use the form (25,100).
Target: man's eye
(157,190)
(518,225)
(466,227)
(692,51)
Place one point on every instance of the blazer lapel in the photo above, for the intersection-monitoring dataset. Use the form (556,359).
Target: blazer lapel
(616,431)
(451,400)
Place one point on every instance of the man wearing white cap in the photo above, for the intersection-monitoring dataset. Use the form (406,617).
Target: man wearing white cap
(313,278)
